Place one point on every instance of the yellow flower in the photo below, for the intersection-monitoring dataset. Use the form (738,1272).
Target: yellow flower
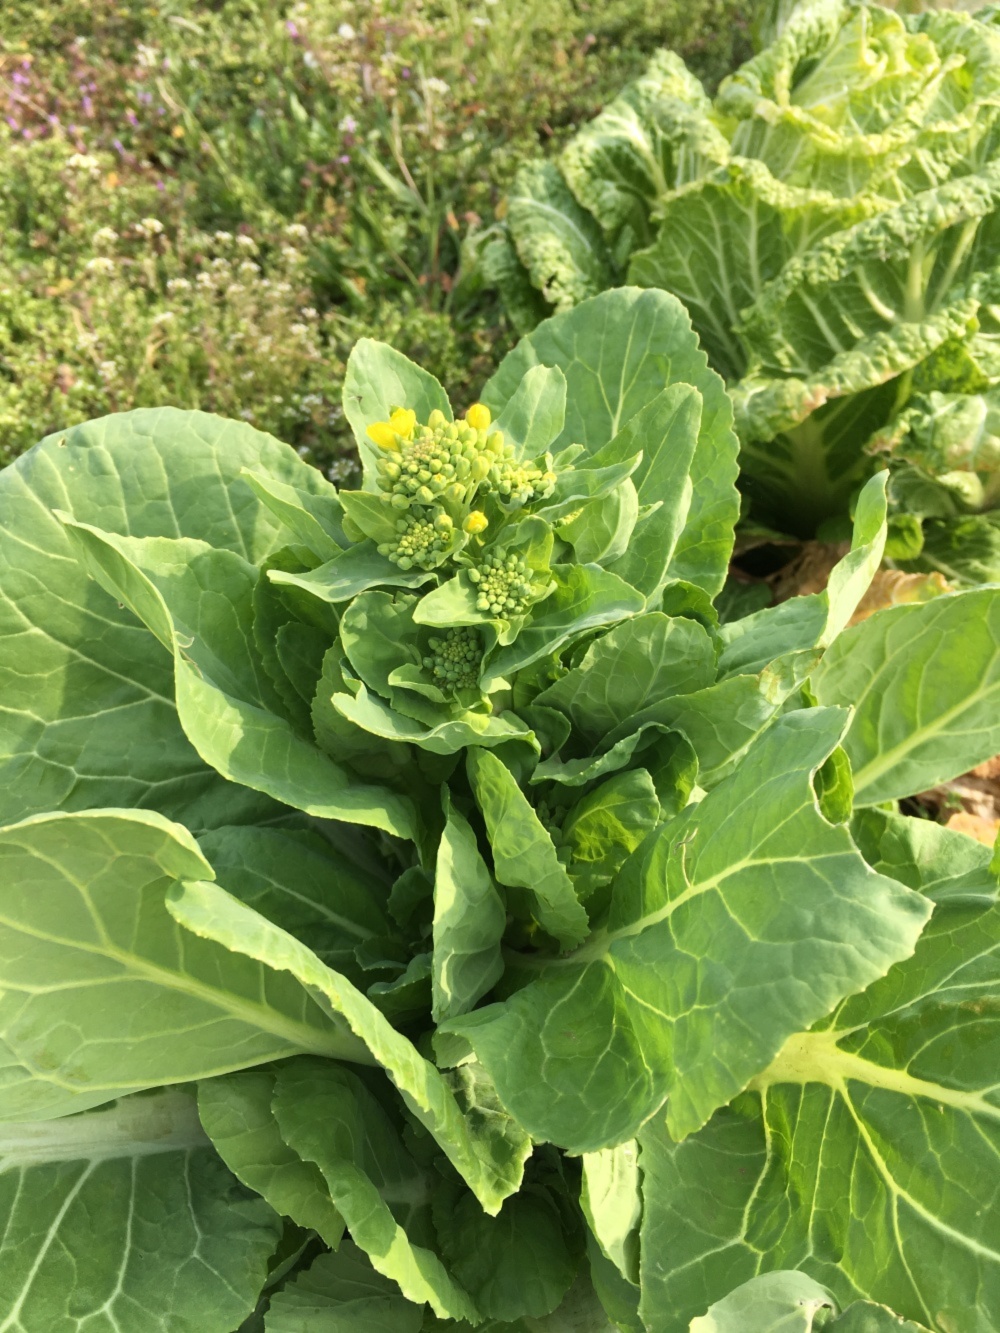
(403,420)
(477,520)
(387,434)
(478,416)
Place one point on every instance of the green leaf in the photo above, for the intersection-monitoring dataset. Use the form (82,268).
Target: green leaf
(600,532)
(815,620)
(702,971)
(606,826)
(586,597)
(535,414)
(84,906)
(621,163)
(372,714)
(300,882)
(940,863)
(314,517)
(887,1118)
(516,1265)
(87,1200)
(354,571)
(330,1119)
(611,1199)
(523,852)
(633,667)
(237,1116)
(618,352)
(667,430)
(378,379)
(224,700)
(782,1302)
(343,1293)
(924,682)
(82,684)
(489,1156)
(469,920)
(556,240)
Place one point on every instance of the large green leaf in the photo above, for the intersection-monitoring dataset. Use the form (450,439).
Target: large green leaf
(790,1302)
(197,601)
(87,715)
(866,1154)
(523,852)
(299,881)
(618,352)
(469,920)
(488,1151)
(342,1293)
(87,1201)
(631,668)
(924,682)
(103,993)
(236,1113)
(329,1118)
(703,970)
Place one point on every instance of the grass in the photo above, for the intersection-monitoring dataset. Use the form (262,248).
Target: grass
(207,204)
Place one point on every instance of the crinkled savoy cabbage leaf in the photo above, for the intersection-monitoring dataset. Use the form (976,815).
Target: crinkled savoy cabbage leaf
(829,221)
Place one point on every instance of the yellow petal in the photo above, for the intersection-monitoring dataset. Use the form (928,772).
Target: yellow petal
(403,420)
(383,433)
(478,416)
(476,522)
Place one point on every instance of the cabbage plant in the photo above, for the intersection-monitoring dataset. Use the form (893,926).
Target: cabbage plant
(421,910)
(830,220)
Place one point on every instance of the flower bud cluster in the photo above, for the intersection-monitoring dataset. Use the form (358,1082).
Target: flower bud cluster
(454,661)
(502,585)
(520,483)
(420,541)
(442,461)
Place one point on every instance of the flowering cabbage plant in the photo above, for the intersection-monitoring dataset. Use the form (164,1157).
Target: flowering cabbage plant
(420,910)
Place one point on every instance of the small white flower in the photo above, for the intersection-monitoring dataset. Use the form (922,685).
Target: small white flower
(149,226)
(108,370)
(86,340)
(248,414)
(220,265)
(83,162)
(309,60)
(290,254)
(249,268)
(102,264)
(164,317)
(348,125)
(480,21)
(307,312)
(147,56)
(205,280)
(223,237)
(247,242)
(298,330)
(346,32)
(436,85)
(295,231)
(178,285)
(105,236)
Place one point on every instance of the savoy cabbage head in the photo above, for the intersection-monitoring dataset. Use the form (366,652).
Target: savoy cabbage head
(421,910)
(830,220)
